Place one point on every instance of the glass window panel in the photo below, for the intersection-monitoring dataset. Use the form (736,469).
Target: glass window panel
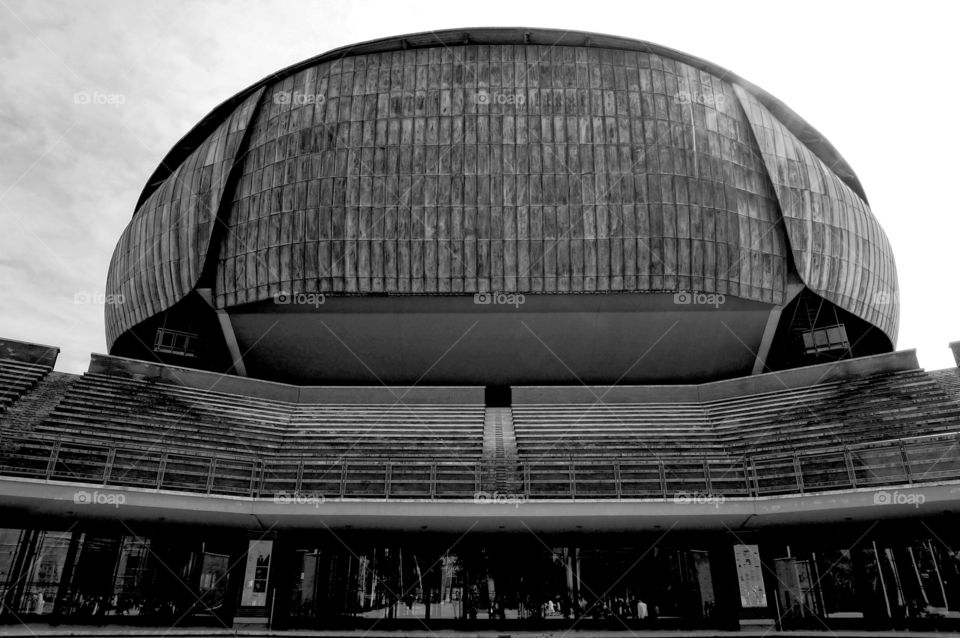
(10,540)
(44,573)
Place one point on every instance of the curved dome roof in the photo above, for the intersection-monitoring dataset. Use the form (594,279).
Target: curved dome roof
(521,160)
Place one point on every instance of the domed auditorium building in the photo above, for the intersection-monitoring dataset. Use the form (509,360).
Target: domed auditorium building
(490,329)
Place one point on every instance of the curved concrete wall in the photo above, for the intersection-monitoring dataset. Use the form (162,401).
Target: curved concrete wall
(162,251)
(840,251)
(597,164)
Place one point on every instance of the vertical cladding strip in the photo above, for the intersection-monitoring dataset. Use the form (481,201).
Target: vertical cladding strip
(513,167)
(840,250)
(161,254)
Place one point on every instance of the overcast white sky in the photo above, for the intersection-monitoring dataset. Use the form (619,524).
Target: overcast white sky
(877,80)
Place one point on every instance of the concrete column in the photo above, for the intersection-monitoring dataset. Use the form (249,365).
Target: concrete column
(770,331)
(236,357)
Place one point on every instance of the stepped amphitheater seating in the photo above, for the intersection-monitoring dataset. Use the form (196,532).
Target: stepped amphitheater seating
(388,430)
(949,379)
(839,432)
(17,378)
(852,411)
(398,449)
(123,430)
(253,442)
(628,440)
(662,449)
(112,410)
(551,431)
(147,424)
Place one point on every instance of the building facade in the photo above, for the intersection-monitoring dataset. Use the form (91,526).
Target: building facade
(490,329)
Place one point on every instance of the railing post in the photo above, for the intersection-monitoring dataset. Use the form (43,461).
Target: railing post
(526,479)
(387,472)
(343,479)
(161,470)
(299,485)
(905,460)
(756,477)
(616,480)
(663,478)
(707,482)
(573,481)
(52,461)
(851,473)
(263,476)
(433,480)
(108,466)
(252,489)
(798,472)
(211,472)
(746,476)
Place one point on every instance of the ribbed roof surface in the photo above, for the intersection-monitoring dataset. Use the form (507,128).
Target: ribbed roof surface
(518,160)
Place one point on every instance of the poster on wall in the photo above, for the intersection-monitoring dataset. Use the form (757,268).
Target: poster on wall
(257,574)
(750,576)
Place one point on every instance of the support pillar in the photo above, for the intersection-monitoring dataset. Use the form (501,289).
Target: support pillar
(229,336)
(770,331)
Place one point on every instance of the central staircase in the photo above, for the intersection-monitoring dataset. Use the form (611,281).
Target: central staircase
(500,452)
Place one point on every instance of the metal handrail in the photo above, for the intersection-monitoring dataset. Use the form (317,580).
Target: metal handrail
(258,472)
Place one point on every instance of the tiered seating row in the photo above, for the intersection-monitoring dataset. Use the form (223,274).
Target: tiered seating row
(880,407)
(887,406)
(17,378)
(627,430)
(446,431)
(153,417)
(774,441)
(135,432)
